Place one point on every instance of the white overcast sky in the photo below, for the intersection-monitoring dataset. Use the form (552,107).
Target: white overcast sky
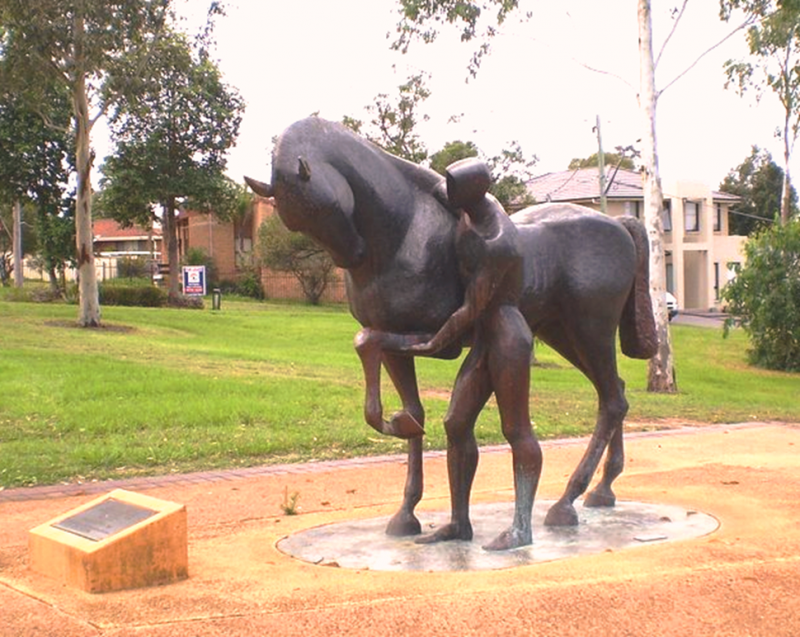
(290,58)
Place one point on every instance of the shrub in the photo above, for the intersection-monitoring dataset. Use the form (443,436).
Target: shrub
(133,268)
(136,296)
(765,296)
(285,251)
(187,302)
(250,285)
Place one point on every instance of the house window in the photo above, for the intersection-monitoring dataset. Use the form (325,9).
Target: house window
(716,279)
(633,209)
(691,216)
(670,279)
(718,218)
(666,215)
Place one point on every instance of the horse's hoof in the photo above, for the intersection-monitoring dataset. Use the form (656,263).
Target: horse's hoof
(447,533)
(511,538)
(404,425)
(403,524)
(600,497)
(561,514)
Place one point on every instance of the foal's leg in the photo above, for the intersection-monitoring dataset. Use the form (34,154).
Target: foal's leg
(471,391)
(509,356)
(402,372)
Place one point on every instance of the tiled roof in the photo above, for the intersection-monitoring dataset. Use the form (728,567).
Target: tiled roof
(718,195)
(583,184)
(108,229)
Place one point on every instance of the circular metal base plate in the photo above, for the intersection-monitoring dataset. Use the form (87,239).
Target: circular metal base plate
(363,544)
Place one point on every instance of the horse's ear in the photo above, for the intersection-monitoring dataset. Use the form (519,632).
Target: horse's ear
(259,187)
(303,169)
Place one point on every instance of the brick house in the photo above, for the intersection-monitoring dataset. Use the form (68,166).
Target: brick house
(112,243)
(700,252)
(232,246)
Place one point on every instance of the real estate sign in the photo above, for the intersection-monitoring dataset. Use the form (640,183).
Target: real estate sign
(194,280)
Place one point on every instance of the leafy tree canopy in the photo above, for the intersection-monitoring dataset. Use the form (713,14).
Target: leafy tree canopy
(452,152)
(773,65)
(394,121)
(610,160)
(35,163)
(424,19)
(173,137)
(758,180)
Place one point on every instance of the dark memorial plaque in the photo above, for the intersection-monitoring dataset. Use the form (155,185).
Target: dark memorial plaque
(104,520)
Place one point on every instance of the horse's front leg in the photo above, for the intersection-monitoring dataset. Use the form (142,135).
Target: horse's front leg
(373,348)
(402,372)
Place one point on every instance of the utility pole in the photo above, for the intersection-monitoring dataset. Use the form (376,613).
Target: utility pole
(601,161)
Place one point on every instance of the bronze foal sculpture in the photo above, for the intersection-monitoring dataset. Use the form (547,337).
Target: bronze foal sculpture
(390,225)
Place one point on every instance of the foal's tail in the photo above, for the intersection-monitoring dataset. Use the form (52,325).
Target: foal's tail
(637,326)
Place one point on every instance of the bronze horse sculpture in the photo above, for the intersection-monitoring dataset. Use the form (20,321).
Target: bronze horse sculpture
(386,222)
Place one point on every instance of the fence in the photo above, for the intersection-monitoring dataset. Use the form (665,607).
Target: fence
(104,268)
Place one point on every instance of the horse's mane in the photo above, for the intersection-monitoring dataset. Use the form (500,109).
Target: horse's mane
(302,137)
(424,178)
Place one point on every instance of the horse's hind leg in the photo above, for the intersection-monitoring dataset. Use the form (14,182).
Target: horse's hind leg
(602,495)
(402,372)
(595,355)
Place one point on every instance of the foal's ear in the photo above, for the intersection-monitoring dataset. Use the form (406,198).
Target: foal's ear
(303,169)
(259,187)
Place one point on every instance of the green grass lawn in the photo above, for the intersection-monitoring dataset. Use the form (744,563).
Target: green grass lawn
(161,390)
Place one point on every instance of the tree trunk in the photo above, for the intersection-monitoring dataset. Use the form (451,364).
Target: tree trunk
(17,245)
(170,235)
(786,198)
(660,375)
(786,193)
(89,301)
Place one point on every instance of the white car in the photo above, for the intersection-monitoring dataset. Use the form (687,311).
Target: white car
(672,306)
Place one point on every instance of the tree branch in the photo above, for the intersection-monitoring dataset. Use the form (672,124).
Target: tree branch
(602,72)
(671,33)
(744,24)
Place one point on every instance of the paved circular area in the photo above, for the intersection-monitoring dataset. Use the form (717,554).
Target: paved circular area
(364,545)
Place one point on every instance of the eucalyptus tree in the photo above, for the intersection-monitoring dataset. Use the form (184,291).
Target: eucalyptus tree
(81,45)
(172,140)
(774,65)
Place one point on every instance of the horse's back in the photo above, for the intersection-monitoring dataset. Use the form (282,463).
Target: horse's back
(576,260)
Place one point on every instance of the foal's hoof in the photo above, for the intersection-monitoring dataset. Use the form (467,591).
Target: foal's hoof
(511,538)
(600,497)
(403,524)
(561,514)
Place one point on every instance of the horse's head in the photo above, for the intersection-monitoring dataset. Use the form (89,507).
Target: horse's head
(317,201)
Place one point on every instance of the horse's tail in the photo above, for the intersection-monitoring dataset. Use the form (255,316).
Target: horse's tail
(637,326)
